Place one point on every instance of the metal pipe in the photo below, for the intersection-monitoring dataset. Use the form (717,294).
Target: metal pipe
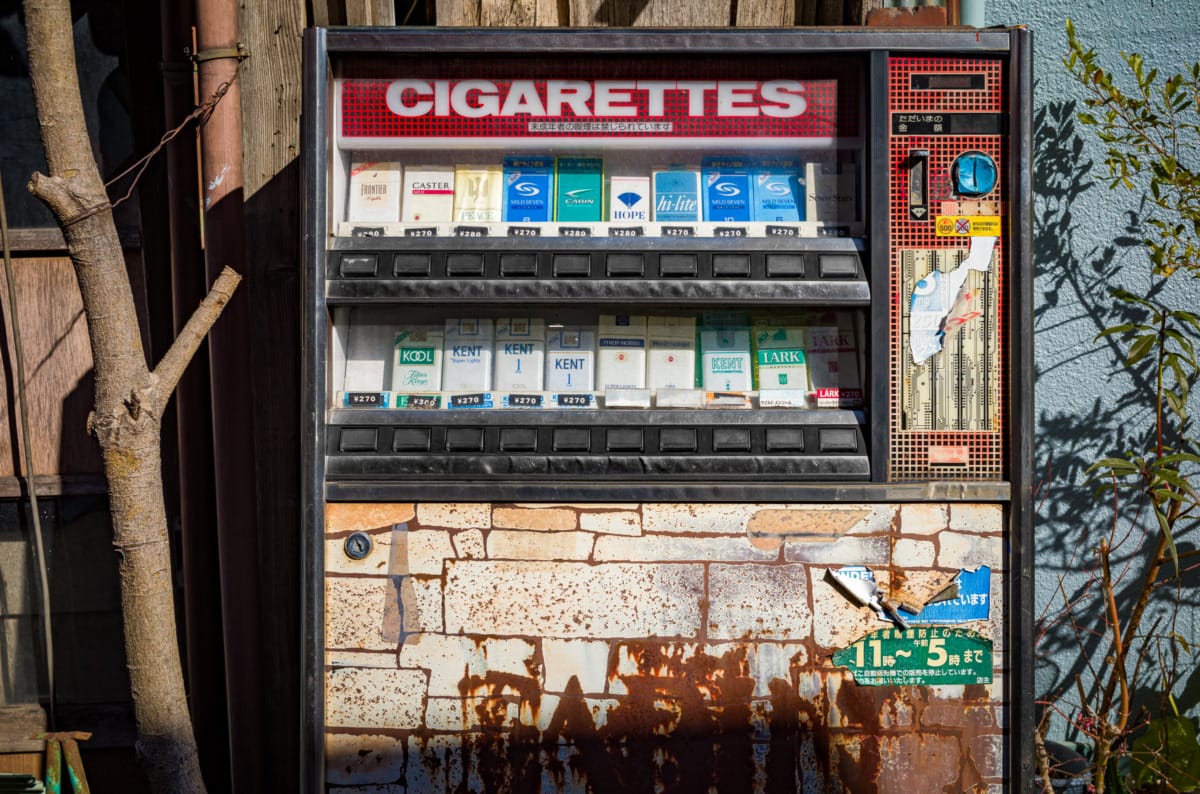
(973,13)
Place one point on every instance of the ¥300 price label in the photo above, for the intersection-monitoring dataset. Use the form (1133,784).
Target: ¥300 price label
(904,657)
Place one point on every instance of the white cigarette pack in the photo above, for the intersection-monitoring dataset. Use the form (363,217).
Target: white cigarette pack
(833,366)
(368,348)
(671,354)
(779,360)
(621,357)
(478,193)
(520,354)
(570,359)
(417,359)
(467,362)
(725,358)
(629,199)
(831,192)
(374,192)
(428,194)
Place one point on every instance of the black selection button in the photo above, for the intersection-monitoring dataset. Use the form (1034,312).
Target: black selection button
(464,265)
(838,265)
(411,265)
(572,265)
(358,439)
(410,439)
(785,439)
(518,265)
(359,265)
(785,265)
(731,265)
(464,439)
(518,439)
(623,439)
(677,439)
(837,439)
(677,265)
(731,439)
(626,265)
(572,439)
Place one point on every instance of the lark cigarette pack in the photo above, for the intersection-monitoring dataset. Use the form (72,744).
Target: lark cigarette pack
(833,365)
(779,360)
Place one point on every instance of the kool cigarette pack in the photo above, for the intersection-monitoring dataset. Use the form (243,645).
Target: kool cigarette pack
(570,358)
(478,193)
(374,192)
(428,194)
(520,354)
(417,359)
(528,189)
(467,360)
(671,354)
(621,356)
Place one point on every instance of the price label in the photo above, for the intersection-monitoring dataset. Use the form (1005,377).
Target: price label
(679,231)
(424,231)
(367,231)
(626,231)
(573,400)
(833,231)
(782,231)
(470,231)
(729,231)
(366,399)
(524,231)
(523,401)
(919,656)
(574,231)
(415,401)
(479,400)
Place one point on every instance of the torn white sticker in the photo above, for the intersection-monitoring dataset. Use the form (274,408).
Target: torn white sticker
(935,295)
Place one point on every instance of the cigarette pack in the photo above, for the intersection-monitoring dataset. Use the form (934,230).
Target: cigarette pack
(621,357)
(374,192)
(779,360)
(725,358)
(368,348)
(579,189)
(467,360)
(528,189)
(727,189)
(831,192)
(428,194)
(629,199)
(417,359)
(677,196)
(478,193)
(779,190)
(833,364)
(570,359)
(671,353)
(520,354)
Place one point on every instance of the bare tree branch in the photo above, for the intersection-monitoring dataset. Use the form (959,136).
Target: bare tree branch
(168,372)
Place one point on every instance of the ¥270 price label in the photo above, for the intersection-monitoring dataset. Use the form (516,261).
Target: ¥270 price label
(919,656)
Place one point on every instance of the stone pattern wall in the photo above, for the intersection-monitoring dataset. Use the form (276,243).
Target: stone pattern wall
(646,647)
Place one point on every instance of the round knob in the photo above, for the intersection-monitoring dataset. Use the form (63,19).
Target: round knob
(357,546)
(974,174)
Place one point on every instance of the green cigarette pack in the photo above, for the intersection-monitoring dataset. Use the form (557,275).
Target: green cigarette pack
(579,189)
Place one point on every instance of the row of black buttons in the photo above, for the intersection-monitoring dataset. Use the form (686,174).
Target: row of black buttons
(611,264)
(616,440)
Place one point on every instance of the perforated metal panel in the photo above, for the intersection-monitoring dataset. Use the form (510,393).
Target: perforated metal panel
(948,416)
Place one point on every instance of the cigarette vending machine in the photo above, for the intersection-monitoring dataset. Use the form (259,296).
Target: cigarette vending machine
(668,410)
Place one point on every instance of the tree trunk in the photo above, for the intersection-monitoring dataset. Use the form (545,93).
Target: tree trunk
(129,398)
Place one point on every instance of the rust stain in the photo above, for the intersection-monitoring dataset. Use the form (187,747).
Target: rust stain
(768,529)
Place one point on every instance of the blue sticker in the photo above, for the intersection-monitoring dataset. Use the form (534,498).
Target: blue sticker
(973,601)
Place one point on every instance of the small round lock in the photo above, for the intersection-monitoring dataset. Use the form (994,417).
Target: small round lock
(358,546)
(974,174)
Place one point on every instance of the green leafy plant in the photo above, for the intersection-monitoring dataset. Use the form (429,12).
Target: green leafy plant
(1150,129)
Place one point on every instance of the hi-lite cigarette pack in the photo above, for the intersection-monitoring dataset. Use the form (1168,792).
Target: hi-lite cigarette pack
(520,354)
(779,190)
(779,359)
(725,358)
(374,192)
(428,194)
(621,356)
(629,199)
(579,189)
(570,359)
(528,189)
(671,354)
(417,359)
(478,193)
(727,189)
(677,196)
(467,361)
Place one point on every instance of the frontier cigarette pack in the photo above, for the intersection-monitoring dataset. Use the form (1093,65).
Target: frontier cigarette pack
(417,359)
(621,352)
(579,189)
(727,189)
(428,194)
(374,192)
(467,360)
(671,353)
(478,193)
(520,354)
(725,358)
(570,359)
(677,196)
(528,189)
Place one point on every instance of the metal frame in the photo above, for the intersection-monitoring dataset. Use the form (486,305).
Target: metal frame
(874,44)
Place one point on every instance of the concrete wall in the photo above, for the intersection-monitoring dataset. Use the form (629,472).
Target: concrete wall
(654,647)
(1087,407)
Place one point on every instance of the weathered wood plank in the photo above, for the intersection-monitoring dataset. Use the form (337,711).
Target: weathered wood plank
(370,12)
(766,13)
(17,724)
(452,13)
(519,13)
(649,13)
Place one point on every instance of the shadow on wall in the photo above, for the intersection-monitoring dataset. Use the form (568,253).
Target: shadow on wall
(1075,284)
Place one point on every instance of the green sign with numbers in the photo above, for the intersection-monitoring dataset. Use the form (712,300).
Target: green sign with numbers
(926,655)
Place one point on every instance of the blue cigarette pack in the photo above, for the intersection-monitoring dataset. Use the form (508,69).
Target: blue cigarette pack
(727,188)
(528,189)
(677,196)
(779,190)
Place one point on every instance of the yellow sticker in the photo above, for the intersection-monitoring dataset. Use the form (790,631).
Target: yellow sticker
(968,226)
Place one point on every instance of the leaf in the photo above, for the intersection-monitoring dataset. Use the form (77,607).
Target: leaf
(1166,753)
(1165,527)
(1142,346)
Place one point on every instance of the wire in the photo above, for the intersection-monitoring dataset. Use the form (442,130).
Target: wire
(27,444)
